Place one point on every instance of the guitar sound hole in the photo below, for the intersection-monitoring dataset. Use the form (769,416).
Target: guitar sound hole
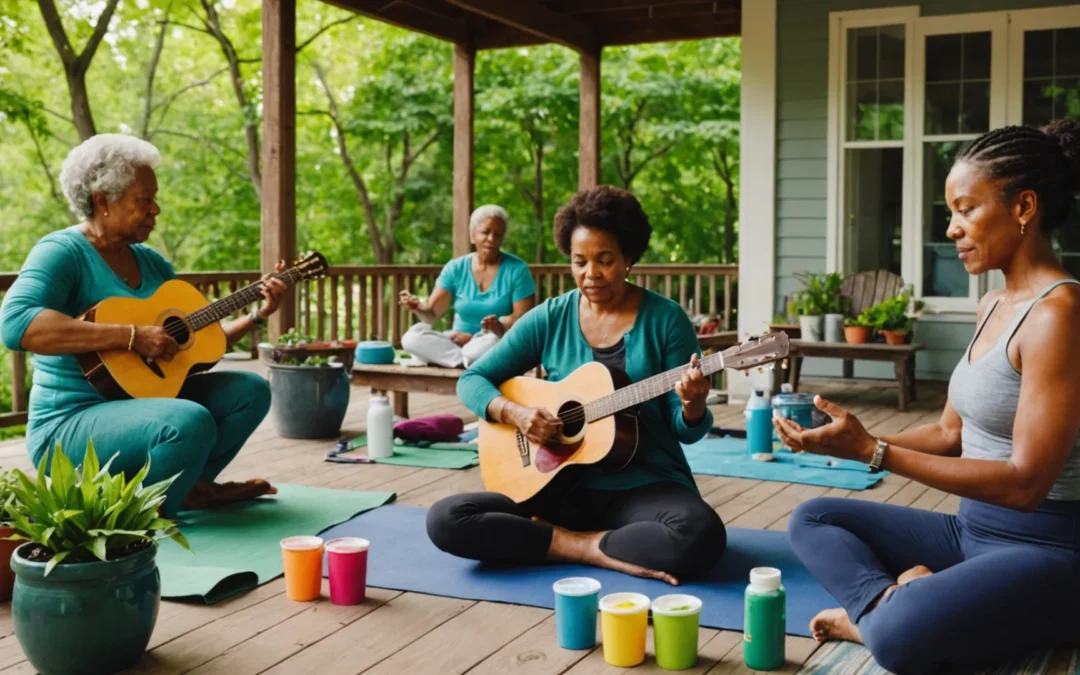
(178,329)
(572,415)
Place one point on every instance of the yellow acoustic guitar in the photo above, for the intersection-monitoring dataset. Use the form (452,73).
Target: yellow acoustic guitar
(181,309)
(595,406)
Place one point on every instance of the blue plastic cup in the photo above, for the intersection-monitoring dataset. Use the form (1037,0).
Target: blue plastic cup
(577,601)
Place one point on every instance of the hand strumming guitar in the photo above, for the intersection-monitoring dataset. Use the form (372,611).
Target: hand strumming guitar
(155,342)
(538,425)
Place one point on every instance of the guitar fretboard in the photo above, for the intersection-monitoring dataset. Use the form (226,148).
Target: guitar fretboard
(216,311)
(647,389)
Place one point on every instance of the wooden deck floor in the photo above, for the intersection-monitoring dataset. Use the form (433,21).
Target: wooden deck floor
(398,633)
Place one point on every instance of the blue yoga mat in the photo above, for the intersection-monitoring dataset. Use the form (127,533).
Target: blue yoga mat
(727,456)
(403,558)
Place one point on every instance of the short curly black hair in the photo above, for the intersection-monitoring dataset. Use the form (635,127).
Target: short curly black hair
(605,207)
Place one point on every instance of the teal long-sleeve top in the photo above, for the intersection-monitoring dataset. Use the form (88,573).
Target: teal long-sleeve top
(661,338)
(65,273)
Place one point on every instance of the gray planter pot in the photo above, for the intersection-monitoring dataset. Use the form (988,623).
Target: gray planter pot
(810,328)
(308,401)
(834,328)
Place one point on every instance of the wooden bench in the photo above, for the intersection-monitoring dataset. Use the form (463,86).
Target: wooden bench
(902,356)
(399,381)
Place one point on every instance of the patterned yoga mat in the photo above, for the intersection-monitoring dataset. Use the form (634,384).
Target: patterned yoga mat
(847,658)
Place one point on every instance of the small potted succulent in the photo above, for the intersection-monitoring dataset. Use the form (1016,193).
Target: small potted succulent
(310,384)
(87,586)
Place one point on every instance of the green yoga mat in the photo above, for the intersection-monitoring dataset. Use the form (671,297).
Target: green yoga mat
(428,456)
(238,547)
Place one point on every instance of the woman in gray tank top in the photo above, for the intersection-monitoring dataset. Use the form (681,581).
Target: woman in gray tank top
(928,591)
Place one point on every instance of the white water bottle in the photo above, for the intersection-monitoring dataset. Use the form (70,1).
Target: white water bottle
(380,428)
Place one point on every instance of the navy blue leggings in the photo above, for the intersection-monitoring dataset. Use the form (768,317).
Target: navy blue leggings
(1004,582)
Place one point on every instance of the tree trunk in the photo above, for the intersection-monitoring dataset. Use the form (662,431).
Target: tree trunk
(538,200)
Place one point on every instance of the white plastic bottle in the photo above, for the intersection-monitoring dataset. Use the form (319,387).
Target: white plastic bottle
(380,428)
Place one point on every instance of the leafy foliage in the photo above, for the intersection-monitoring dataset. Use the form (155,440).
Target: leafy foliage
(897,313)
(88,516)
(820,294)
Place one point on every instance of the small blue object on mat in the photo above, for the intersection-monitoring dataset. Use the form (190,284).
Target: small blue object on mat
(403,558)
(727,456)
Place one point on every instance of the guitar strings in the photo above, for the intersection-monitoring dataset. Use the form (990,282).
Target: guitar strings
(176,330)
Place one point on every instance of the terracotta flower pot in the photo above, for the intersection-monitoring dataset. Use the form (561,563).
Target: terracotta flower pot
(857,335)
(894,338)
(7,575)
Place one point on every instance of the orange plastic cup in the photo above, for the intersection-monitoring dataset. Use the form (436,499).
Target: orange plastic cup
(303,557)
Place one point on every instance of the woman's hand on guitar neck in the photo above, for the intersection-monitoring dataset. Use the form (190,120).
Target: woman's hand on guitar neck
(155,342)
(537,424)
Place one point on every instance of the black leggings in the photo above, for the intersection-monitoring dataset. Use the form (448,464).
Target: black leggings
(661,526)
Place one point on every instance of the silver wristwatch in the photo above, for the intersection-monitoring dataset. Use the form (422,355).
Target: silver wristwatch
(879,456)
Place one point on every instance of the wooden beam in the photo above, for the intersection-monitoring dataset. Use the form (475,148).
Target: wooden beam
(669,30)
(408,17)
(464,67)
(589,122)
(279,149)
(595,6)
(532,17)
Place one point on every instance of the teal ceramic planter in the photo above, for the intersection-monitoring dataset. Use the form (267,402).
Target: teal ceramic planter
(87,618)
(308,401)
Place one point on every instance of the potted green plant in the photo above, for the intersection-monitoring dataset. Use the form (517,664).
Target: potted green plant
(834,305)
(810,304)
(8,544)
(895,317)
(309,384)
(87,587)
(859,329)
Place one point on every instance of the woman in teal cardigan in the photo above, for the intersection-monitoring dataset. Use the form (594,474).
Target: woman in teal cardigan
(647,519)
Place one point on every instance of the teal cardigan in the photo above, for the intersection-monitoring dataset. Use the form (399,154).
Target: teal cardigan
(661,338)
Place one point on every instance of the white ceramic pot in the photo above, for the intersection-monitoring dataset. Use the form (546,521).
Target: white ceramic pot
(834,328)
(811,328)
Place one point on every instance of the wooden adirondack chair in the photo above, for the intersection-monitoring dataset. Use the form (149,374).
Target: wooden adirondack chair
(866,289)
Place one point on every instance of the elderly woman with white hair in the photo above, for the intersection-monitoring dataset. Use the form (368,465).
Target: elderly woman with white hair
(489,289)
(109,182)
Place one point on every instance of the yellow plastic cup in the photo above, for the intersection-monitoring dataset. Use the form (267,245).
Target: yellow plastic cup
(303,558)
(624,620)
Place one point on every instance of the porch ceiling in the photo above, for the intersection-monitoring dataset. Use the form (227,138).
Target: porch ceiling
(584,25)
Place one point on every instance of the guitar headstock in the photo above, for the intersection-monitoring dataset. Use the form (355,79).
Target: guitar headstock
(757,351)
(312,266)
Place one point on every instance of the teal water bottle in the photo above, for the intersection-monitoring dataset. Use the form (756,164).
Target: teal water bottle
(765,620)
(759,428)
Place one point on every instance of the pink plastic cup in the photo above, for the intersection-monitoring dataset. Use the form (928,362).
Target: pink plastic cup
(347,563)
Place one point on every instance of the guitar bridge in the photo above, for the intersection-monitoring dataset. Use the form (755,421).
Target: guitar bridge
(523,449)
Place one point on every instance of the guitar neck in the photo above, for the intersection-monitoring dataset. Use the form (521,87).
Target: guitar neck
(647,389)
(220,309)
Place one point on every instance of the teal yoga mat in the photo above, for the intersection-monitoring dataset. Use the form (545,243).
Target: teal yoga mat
(237,547)
(727,456)
(427,455)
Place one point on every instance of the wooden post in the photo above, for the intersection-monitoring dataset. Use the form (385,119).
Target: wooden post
(464,65)
(279,149)
(589,122)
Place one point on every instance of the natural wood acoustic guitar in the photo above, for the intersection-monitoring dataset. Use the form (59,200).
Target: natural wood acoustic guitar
(596,406)
(184,312)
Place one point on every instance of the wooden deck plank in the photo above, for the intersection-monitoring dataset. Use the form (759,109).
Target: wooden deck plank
(797,650)
(464,641)
(534,652)
(375,637)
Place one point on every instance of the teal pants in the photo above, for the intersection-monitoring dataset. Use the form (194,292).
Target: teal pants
(195,435)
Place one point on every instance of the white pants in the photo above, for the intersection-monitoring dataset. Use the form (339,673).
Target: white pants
(436,348)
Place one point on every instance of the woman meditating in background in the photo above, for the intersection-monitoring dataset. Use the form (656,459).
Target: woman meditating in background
(109,181)
(647,519)
(927,591)
(489,289)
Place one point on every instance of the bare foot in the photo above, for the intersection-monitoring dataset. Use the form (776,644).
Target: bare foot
(917,572)
(205,495)
(834,624)
(584,547)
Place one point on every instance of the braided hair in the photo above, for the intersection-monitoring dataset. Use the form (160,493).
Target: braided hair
(1045,160)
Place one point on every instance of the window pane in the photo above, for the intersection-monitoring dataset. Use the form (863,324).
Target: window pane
(1051,75)
(943,273)
(875,84)
(874,204)
(957,83)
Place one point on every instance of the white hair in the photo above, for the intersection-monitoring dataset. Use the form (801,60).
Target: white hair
(103,163)
(486,212)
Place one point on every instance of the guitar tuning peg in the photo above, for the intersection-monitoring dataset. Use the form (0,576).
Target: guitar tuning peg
(746,373)
(760,369)
(783,364)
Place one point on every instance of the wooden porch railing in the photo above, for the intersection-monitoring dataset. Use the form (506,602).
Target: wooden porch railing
(360,302)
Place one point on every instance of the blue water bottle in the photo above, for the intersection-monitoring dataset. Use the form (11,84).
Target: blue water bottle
(759,428)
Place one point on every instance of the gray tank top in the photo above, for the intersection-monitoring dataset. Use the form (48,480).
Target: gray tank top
(985,395)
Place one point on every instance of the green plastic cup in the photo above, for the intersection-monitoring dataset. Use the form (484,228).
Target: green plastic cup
(675,630)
